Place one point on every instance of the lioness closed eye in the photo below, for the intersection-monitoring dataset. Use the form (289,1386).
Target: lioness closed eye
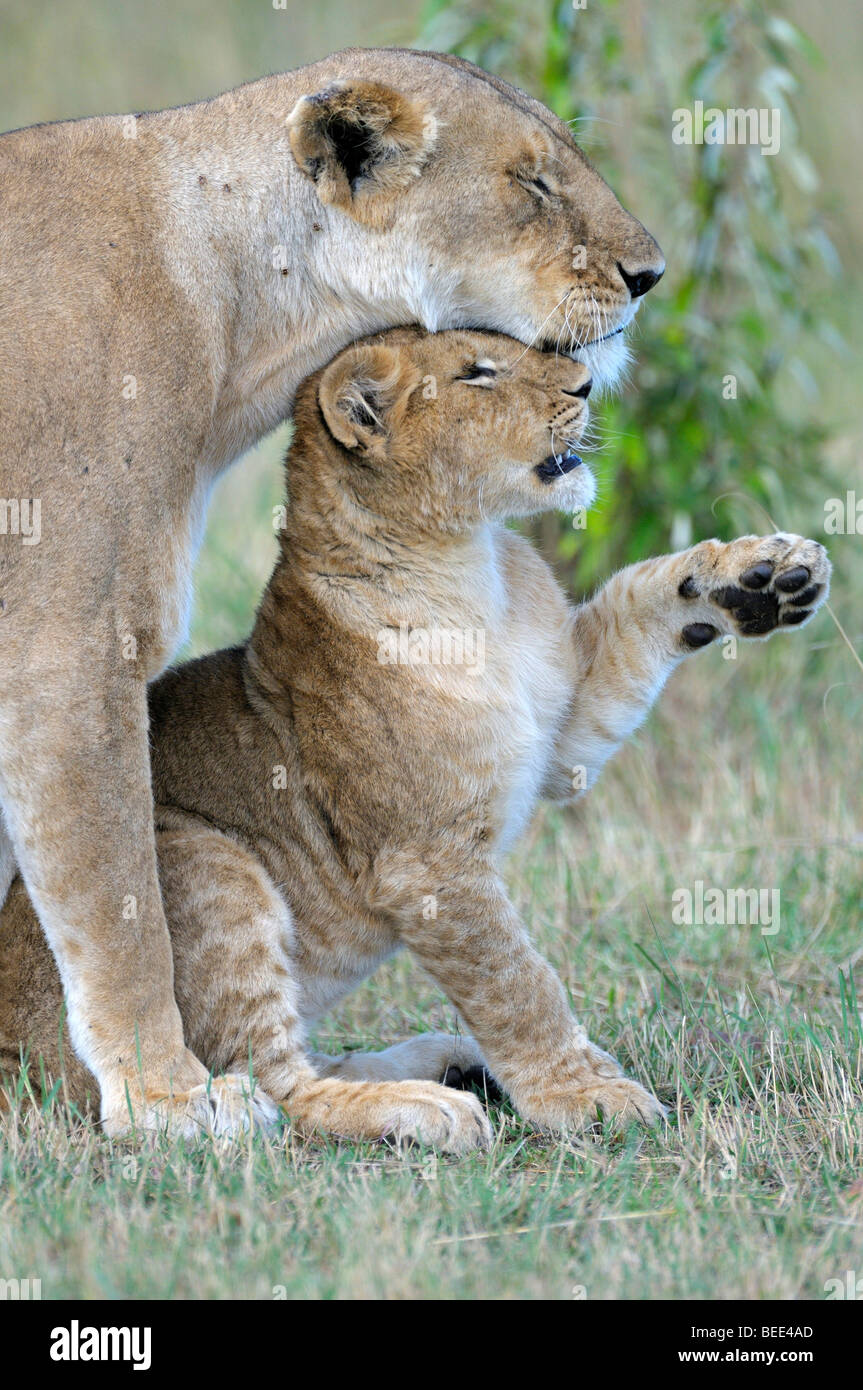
(347,782)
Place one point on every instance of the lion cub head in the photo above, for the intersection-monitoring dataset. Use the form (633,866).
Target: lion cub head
(437,432)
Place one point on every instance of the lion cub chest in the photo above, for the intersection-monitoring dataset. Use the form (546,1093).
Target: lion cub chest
(504,706)
(529,693)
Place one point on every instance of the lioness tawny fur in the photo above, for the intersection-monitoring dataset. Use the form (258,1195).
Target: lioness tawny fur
(166,280)
(337,788)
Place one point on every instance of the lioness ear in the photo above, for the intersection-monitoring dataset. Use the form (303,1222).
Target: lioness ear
(359,139)
(363,395)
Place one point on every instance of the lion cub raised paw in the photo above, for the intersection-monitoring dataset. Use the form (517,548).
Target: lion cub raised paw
(754,586)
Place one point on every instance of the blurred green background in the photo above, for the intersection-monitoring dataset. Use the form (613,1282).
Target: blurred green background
(762,251)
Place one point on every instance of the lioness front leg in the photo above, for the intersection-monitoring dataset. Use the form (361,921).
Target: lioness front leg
(75,790)
(478,951)
(7,861)
(629,638)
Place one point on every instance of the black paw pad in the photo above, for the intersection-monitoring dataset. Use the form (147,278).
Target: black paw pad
(732,597)
(792,616)
(808,596)
(793,580)
(758,624)
(758,575)
(688,588)
(755,613)
(699,635)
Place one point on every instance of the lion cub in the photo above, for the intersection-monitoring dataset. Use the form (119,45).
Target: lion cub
(347,782)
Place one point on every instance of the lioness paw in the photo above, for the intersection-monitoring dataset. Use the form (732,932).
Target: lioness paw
(222,1107)
(752,587)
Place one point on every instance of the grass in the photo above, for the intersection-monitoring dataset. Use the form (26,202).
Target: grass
(746,776)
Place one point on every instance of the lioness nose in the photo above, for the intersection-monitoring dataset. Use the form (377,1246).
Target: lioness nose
(638,282)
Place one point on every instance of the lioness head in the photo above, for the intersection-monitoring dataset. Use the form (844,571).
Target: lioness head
(433,433)
(456,200)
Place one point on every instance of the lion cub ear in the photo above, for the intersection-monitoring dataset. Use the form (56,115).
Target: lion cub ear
(356,140)
(363,396)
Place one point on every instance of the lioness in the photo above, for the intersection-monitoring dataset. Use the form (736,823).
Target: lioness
(348,782)
(166,281)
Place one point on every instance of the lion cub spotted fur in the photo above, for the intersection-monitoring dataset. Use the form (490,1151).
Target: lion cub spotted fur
(347,782)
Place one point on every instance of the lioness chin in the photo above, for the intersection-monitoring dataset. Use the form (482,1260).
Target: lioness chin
(347,782)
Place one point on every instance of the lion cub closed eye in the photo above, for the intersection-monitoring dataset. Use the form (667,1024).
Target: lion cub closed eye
(348,781)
